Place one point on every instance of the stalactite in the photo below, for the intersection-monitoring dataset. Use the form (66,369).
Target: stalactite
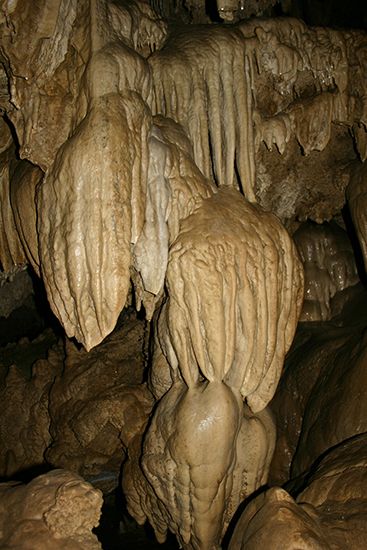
(85,224)
(176,188)
(328,261)
(212,101)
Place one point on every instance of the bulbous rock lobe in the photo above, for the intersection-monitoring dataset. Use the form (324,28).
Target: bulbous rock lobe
(236,288)
(84,210)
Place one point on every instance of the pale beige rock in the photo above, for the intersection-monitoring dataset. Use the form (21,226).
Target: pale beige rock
(297,81)
(175,189)
(273,520)
(225,294)
(44,71)
(85,224)
(202,79)
(55,511)
(137,24)
(235,287)
(122,198)
(303,91)
(254,451)
(141,500)
(189,459)
(255,66)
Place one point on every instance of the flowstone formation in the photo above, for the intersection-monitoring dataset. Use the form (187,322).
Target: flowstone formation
(145,166)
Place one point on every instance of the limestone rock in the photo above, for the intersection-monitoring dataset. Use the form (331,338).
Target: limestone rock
(55,511)
(99,402)
(15,287)
(329,513)
(356,196)
(328,260)
(235,287)
(320,399)
(24,424)
(274,520)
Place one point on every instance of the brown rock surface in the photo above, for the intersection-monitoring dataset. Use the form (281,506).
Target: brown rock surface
(24,414)
(320,400)
(99,402)
(330,513)
(328,261)
(75,410)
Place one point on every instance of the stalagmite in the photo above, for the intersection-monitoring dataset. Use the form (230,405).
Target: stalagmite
(234,286)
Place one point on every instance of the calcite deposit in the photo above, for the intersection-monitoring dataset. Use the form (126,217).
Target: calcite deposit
(330,268)
(320,401)
(24,425)
(328,513)
(55,511)
(158,167)
(75,410)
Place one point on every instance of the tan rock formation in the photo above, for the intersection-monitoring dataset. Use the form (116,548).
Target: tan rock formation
(278,73)
(12,252)
(195,454)
(274,519)
(294,83)
(55,511)
(356,196)
(328,513)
